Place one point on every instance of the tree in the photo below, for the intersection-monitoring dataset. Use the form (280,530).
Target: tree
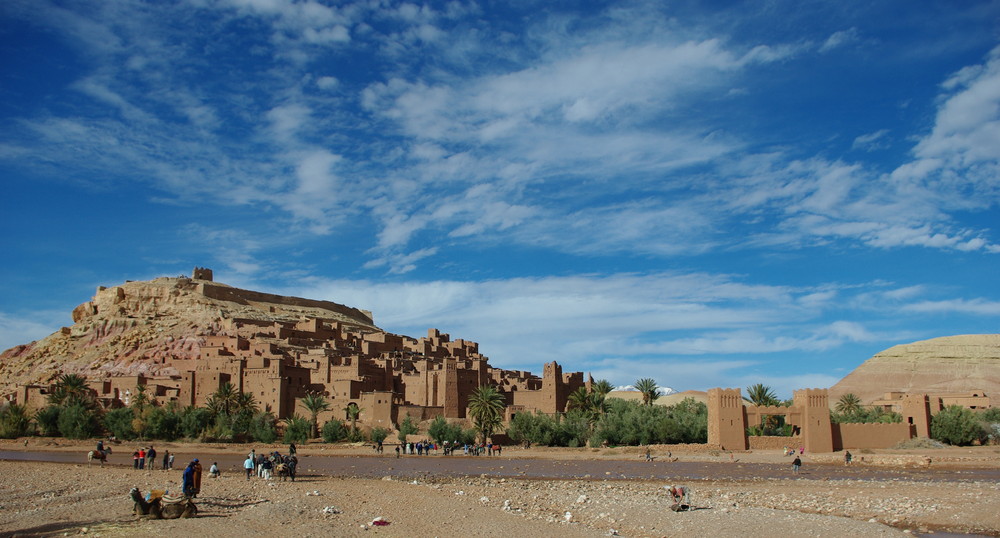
(650,392)
(47,419)
(224,401)
(591,404)
(761,395)
(602,387)
(379,434)
(14,421)
(486,405)
(333,431)
(957,425)
(353,412)
(70,389)
(407,427)
(296,429)
(848,404)
(119,423)
(315,404)
(77,421)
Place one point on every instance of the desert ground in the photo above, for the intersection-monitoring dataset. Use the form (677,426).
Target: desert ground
(342,489)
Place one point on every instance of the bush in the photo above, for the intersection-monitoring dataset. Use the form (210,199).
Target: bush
(77,421)
(194,421)
(297,429)
(163,424)
(440,431)
(407,427)
(119,423)
(47,420)
(333,431)
(379,434)
(958,426)
(14,421)
(262,428)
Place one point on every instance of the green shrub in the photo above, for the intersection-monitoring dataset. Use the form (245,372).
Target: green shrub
(379,434)
(77,421)
(163,423)
(262,428)
(407,427)
(47,419)
(958,426)
(119,423)
(194,421)
(333,431)
(297,429)
(14,421)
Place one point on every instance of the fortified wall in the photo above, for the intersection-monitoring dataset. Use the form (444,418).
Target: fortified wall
(729,417)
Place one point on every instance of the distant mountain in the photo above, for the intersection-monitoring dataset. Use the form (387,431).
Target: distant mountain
(629,388)
(950,364)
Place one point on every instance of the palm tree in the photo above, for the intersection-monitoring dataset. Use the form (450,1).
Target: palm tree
(315,404)
(70,389)
(761,395)
(650,392)
(486,405)
(140,400)
(602,387)
(246,403)
(592,404)
(224,401)
(848,404)
(353,412)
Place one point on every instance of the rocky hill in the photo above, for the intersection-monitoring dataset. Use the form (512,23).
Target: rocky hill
(130,329)
(941,365)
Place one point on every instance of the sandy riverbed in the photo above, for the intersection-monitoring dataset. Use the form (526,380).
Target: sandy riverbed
(41,498)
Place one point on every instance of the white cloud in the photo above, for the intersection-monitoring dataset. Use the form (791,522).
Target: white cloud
(982,307)
(25,327)
(871,141)
(840,39)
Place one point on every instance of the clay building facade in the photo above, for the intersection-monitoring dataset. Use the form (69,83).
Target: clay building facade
(386,376)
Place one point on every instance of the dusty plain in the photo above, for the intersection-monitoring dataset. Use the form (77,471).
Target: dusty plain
(890,493)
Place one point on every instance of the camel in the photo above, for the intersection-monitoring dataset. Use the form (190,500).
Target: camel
(161,506)
(99,455)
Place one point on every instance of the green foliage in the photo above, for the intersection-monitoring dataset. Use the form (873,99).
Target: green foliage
(119,423)
(163,423)
(194,421)
(47,419)
(71,389)
(650,391)
(866,415)
(297,429)
(440,431)
(333,431)
(602,387)
(628,423)
(356,435)
(262,427)
(379,434)
(761,395)
(848,404)
(77,421)
(315,404)
(958,426)
(486,406)
(407,427)
(991,415)
(14,421)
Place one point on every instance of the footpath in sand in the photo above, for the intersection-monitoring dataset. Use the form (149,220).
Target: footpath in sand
(958,493)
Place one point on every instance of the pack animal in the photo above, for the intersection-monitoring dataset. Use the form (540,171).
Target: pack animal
(99,455)
(161,506)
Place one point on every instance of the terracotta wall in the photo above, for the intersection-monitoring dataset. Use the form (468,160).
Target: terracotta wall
(773,442)
(869,435)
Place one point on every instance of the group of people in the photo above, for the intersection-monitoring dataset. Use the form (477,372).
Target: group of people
(146,457)
(265,465)
(423,448)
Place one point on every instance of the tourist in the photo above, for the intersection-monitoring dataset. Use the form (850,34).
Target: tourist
(848,457)
(292,463)
(197,477)
(680,496)
(166,460)
(496,449)
(649,454)
(170,464)
(142,458)
(397,451)
(135,460)
(151,456)
(213,471)
(249,465)
(796,464)
(265,467)
(187,479)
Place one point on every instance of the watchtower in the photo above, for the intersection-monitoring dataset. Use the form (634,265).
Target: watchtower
(202,273)
(816,430)
(727,419)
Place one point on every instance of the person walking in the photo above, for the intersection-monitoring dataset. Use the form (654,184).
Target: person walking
(796,464)
(151,457)
(166,460)
(248,465)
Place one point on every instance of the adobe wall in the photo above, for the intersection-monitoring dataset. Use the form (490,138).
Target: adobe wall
(851,436)
(236,295)
(727,419)
(773,442)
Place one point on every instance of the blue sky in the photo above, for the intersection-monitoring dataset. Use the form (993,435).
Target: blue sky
(706,193)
